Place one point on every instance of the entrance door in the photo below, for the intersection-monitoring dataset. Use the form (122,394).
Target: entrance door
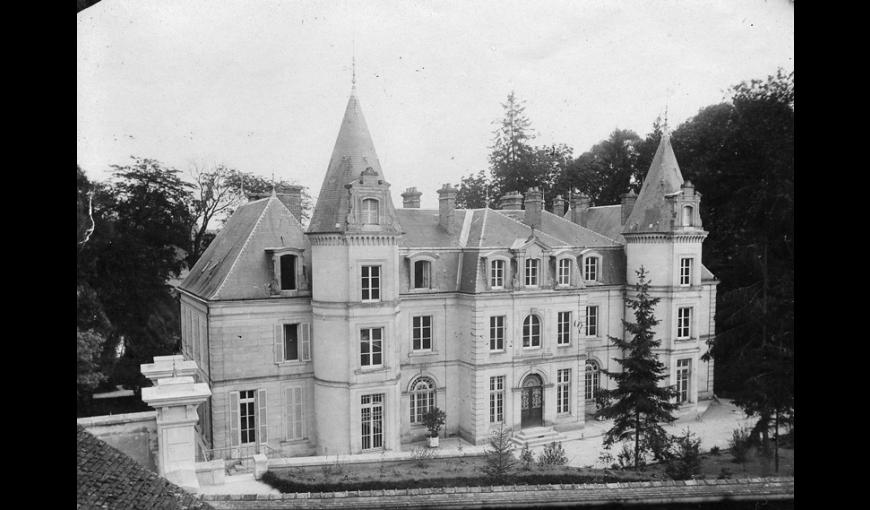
(532,402)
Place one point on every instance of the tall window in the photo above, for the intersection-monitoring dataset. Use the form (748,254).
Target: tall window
(497,274)
(496,399)
(422,398)
(288,272)
(370,211)
(371,283)
(684,322)
(563,336)
(291,342)
(687,215)
(371,347)
(247,411)
(532,331)
(294,410)
(564,272)
(591,269)
(684,369)
(591,321)
(563,390)
(532,272)
(422,270)
(685,271)
(496,333)
(592,380)
(372,420)
(422,332)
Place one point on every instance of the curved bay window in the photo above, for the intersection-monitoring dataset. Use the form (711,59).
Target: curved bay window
(369,212)
(532,331)
(422,398)
(592,380)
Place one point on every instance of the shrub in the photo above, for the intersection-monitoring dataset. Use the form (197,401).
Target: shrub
(659,443)
(553,455)
(434,419)
(625,457)
(526,457)
(715,450)
(499,459)
(685,457)
(724,474)
(740,443)
(422,455)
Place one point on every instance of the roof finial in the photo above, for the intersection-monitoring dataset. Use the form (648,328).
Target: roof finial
(353,66)
(665,128)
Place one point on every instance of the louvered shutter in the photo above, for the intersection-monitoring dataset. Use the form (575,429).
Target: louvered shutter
(279,343)
(306,341)
(288,413)
(233,414)
(262,418)
(298,422)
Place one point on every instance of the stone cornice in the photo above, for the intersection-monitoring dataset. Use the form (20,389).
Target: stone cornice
(354,239)
(656,237)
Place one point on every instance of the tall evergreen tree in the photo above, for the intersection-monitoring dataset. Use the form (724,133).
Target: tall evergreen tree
(638,404)
(512,155)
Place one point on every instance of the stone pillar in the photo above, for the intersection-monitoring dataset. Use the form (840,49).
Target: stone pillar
(175,397)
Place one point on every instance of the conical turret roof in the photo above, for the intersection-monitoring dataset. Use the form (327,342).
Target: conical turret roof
(353,153)
(650,212)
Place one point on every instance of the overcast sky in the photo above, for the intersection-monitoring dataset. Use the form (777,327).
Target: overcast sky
(262,85)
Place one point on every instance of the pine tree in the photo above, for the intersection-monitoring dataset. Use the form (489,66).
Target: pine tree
(511,157)
(638,404)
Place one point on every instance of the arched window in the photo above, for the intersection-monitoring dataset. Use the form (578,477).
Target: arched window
(422,272)
(532,331)
(687,215)
(288,272)
(370,211)
(422,398)
(592,379)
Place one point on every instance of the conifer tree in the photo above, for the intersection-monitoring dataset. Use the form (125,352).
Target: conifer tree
(638,404)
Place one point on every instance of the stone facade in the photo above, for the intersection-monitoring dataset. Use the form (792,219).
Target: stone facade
(491,315)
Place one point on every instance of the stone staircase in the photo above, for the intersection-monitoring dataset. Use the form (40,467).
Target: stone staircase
(536,436)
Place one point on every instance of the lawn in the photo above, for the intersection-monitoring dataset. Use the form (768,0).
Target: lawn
(468,471)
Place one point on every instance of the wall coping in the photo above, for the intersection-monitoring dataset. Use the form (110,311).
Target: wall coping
(117,419)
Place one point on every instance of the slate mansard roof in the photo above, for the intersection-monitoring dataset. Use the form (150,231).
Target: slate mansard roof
(107,478)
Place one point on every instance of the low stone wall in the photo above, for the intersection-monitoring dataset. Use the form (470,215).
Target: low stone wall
(631,493)
(135,434)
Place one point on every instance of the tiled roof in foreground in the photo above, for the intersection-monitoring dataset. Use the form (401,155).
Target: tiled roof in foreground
(107,478)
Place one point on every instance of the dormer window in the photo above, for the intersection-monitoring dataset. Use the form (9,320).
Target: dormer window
(532,268)
(496,274)
(369,213)
(687,215)
(287,266)
(564,272)
(591,268)
(422,274)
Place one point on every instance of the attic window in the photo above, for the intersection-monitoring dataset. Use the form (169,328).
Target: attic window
(370,211)
(288,272)
(687,215)
(422,270)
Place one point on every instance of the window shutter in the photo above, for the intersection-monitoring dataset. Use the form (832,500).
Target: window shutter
(306,341)
(262,419)
(233,414)
(279,343)
(288,413)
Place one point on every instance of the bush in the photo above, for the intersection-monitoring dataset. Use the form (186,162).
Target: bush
(526,457)
(685,457)
(715,450)
(740,442)
(434,419)
(659,443)
(553,455)
(422,455)
(625,457)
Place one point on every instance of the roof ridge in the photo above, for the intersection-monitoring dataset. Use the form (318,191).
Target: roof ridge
(242,250)
(533,230)
(581,226)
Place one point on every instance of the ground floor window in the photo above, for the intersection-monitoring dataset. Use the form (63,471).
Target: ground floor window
(684,369)
(372,419)
(496,399)
(247,411)
(592,380)
(563,390)
(422,398)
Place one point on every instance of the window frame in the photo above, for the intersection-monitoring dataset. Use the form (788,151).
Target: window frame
(688,219)
(365,214)
(495,328)
(492,273)
(251,403)
(496,399)
(591,380)
(688,322)
(563,391)
(534,275)
(686,271)
(298,357)
(563,328)
(366,283)
(596,261)
(421,327)
(560,274)
(683,380)
(531,335)
(427,276)
(431,392)
(370,352)
(374,404)
(592,312)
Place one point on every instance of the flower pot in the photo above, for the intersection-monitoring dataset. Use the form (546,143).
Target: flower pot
(433,442)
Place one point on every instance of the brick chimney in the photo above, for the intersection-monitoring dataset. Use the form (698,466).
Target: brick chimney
(628,200)
(290,196)
(446,207)
(533,204)
(579,206)
(411,198)
(512,200)
(559,206)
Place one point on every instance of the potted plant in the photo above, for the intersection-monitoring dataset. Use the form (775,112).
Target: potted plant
(433,420)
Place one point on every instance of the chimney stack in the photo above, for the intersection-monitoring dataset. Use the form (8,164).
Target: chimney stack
(534,203)
(512,200)
(446,207)
(559,206)
(628,200)
(411,198)
(579,205)
(290,195)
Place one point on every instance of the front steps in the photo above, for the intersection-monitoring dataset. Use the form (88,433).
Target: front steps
(536,436)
